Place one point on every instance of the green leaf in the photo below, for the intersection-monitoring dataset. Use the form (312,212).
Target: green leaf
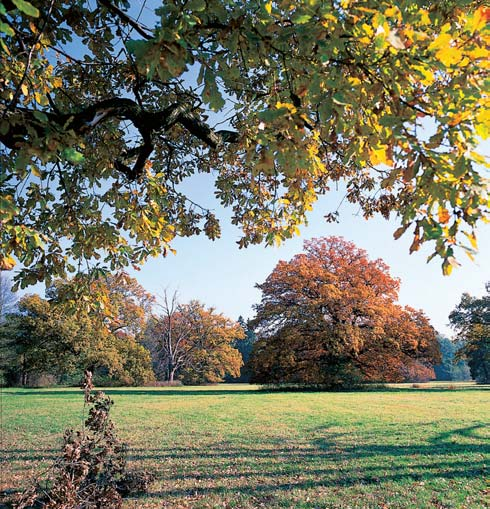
(270,114)
(211,94)
(72,155)
(26,8)
(22,160)
(338,98)
(4,127)
(388,120)
(39,115)
(197,5)
(460,167)
(432,232)
(300,19)
(137,47)
(6,29)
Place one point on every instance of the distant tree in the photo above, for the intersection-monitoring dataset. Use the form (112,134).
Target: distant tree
(43,339)
(330,316)
(8,298)
(39,340)
(244,346)
(119,307)
(116,299)
(471,321)
(193,343)
(450,367)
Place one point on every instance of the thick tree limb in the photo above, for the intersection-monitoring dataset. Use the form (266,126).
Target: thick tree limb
(23,122)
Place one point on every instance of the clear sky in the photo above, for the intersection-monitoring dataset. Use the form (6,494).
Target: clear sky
(223,276)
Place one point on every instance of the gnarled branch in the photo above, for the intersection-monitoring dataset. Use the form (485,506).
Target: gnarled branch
(23,122)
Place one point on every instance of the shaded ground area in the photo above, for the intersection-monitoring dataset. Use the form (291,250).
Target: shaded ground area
(230,446)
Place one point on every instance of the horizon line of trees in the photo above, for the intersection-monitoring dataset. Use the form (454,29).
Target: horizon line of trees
(328,317)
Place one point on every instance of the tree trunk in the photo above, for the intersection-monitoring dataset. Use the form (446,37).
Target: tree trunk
(23,377)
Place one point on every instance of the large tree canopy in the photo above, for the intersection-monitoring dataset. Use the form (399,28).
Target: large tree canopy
(103,113)
(43,340)
(330,314)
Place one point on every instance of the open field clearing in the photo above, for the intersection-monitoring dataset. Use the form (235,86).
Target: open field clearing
(231,446)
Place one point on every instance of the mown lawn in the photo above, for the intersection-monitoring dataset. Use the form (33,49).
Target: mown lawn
(231,446)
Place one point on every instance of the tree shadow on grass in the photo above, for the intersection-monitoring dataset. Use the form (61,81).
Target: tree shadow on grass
(326,462)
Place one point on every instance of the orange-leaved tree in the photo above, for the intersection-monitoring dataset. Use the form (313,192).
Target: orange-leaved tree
(330,316)
(193,342)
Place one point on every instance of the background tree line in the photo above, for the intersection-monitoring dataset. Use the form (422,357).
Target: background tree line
(327,317)
(120,339)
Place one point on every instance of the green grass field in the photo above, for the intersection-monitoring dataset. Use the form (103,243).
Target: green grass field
(231,446)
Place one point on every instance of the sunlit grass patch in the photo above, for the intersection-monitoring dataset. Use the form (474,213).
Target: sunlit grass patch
(234,446)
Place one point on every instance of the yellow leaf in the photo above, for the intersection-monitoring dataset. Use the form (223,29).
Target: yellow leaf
(379,155)
(392,11)
(482,124)
(268,7)
(288,106)
(367,29)
(424,17)
(7,263)
(449,55)
(428,76)
(478,19)
(40,99)
(472,238)
(440,42)
(447,269)
(456,119)
(443,215)
(479,158)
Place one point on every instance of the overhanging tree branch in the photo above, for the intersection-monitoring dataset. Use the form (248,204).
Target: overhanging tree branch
(143,31)
(24,122)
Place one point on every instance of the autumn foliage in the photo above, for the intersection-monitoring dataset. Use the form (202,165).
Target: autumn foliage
(309,93)
(329,316)
(193,342)
(57,338)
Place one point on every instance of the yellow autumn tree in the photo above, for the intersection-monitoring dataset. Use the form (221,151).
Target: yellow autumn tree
(386,97)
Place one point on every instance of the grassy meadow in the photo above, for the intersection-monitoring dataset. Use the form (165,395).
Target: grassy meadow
(232,446)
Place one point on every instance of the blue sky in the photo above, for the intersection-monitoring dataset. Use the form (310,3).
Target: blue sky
(223,276)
